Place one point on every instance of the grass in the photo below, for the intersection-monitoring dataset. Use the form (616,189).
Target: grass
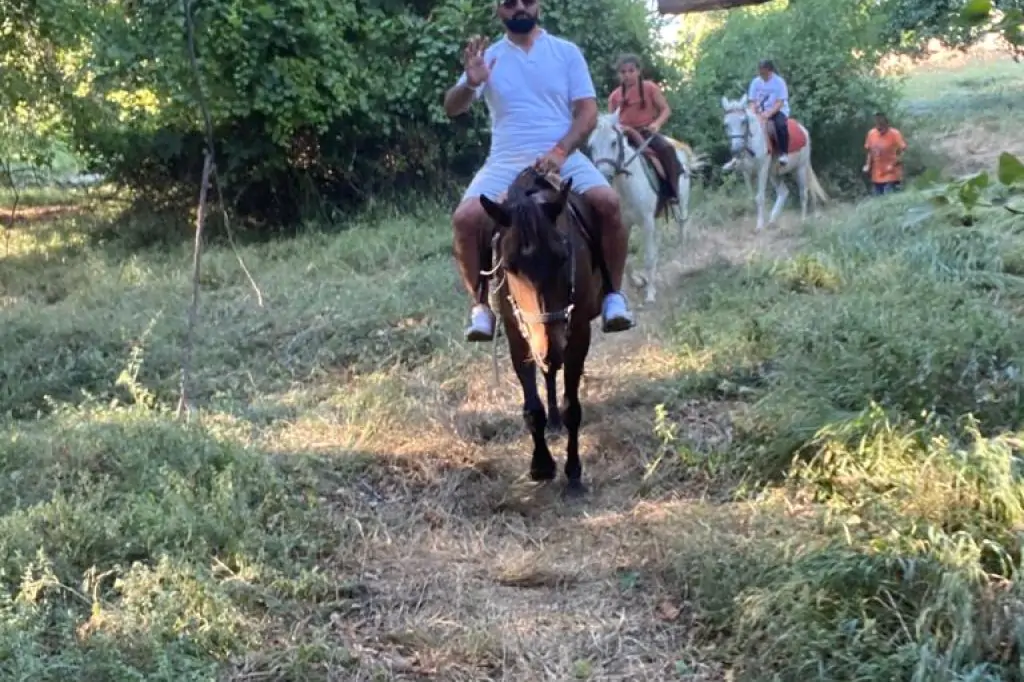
(804,463)
(969,115)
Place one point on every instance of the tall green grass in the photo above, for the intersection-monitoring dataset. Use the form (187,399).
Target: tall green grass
(882,371)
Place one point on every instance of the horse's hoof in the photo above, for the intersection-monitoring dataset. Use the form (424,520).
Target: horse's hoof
(575,488)
(539,474)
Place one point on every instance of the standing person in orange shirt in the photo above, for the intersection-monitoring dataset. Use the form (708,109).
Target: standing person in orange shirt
(643,107)
(885,146)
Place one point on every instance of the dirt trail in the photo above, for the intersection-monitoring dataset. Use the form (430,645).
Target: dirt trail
(474,574)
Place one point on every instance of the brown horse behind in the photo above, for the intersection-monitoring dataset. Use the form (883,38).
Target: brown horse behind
(551,282)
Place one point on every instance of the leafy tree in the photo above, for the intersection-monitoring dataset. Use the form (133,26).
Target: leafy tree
(312,100)
(955,23)
(34,73)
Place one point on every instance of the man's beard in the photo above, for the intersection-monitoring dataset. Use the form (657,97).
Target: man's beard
(521,23)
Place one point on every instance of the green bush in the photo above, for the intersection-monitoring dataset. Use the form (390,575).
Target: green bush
(827,51)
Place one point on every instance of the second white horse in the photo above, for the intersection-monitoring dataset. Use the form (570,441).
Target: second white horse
(752,156)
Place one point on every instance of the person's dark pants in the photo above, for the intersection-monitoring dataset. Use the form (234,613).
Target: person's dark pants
(886,187)
(667,154)
(781,132)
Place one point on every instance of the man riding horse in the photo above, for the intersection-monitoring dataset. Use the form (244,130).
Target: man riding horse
(643,111)
(543,107)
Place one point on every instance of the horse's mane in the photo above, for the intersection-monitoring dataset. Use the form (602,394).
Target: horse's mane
(530,228)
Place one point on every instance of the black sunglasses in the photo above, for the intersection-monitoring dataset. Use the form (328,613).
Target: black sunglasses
(511,4)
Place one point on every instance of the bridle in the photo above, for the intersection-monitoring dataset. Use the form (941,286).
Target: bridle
(619,164)
(548,317)
(523,319)
(746,134)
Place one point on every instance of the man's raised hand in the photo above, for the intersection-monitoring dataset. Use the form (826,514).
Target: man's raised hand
(477,70)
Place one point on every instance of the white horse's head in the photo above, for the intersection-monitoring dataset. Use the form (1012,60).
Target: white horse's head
(737,123)
(607,144)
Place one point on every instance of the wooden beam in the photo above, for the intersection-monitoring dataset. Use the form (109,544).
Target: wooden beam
(689,6)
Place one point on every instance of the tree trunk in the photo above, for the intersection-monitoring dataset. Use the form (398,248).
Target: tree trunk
(688,6)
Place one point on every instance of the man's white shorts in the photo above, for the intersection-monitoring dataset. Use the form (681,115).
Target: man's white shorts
(495,176)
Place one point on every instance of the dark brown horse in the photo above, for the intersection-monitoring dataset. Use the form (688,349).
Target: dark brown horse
(546,256)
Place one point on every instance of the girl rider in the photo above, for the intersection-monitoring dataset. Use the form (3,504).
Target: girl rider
(642,106)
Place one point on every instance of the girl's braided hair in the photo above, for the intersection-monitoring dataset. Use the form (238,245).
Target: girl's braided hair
(635,61)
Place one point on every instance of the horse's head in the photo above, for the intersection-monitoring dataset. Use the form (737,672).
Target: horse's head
(537,260)
(737,124)
(608,145)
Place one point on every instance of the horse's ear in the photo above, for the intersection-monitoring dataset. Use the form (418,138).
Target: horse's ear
(495,210)
(563,195)
(553,209)
(615,116)
(743,101)
(725,102)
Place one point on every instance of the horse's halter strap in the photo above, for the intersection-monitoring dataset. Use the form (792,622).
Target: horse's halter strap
(746,134)
(619,163)
(549,317)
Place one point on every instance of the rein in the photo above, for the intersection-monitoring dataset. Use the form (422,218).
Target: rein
(551,317)
(619,164)
(522,318)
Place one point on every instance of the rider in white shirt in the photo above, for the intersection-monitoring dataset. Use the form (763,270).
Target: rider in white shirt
(543,108)
(769,97)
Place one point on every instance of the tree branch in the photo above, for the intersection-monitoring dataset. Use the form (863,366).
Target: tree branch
(193,308)
(209,171)
(14,209)
(190,31)
(688,6)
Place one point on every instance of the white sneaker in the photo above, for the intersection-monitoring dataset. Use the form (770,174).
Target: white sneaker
(481,324)
(615,313)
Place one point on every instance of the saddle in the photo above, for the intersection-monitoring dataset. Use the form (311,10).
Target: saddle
(663,160)
(797,138)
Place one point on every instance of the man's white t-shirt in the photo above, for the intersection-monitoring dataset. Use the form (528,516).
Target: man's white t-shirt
(530,95)
(765,93)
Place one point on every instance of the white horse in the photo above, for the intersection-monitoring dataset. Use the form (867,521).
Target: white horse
(748,143)
(636,183)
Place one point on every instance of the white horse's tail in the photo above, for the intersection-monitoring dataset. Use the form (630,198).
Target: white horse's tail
(693,163)
(814,185)
(697,163)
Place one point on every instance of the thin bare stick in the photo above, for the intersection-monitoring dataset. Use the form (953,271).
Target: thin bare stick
(193,308)
(231,238)
(208,124)
(14,209)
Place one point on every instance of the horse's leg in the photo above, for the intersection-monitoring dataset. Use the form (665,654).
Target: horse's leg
(542,464)
(781,194)
(576,356)
(554,415)
(762,189)
(683,209)
(651,252)
(635,277)
(801,181)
